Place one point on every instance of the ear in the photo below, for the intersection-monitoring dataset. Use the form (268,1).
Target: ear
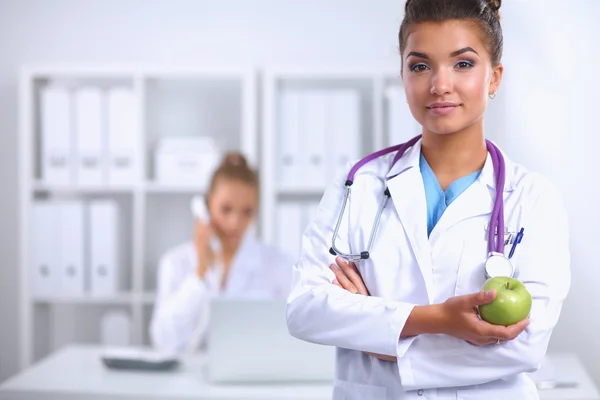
(497,72)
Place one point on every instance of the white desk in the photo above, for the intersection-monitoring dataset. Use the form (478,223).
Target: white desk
(569,369)
(77,373)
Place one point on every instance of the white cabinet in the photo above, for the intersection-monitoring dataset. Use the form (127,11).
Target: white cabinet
(300,130)
(89,134)
(315,123)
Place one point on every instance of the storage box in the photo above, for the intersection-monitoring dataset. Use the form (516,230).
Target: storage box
(186,161)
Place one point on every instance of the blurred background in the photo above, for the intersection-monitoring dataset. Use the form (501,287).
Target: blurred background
(232,74)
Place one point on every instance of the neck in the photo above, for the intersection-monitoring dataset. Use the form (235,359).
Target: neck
(457,154)
(229,250)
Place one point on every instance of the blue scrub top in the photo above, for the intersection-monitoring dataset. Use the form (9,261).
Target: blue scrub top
(438,200)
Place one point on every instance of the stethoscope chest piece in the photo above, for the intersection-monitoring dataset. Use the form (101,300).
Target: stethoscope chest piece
(498,265)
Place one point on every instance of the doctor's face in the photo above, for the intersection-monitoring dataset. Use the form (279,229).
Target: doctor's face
(232,206)
(448,75)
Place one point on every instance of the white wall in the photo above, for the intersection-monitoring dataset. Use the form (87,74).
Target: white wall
(552,128)
(550,86)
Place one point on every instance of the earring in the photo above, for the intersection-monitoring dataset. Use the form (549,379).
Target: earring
(493,96)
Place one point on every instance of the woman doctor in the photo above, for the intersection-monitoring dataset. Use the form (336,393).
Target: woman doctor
(404,320)
(192,273)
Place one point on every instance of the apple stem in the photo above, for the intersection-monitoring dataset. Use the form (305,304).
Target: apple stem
(507,285)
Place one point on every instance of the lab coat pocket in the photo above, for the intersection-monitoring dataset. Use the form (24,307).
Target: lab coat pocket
(344,390)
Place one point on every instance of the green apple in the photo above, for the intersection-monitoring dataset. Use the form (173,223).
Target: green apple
(511,305)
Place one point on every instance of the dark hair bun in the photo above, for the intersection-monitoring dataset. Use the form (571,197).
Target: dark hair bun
(495,6)
(234,166)
(234,159)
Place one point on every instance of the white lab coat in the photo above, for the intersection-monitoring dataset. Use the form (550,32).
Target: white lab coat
(181,312)
(407,268)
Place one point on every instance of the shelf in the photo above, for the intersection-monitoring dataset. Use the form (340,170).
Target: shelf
(150,187)
(41,187)
(122,298)
(171,99)
(301,191)
(153,187)
(328,73)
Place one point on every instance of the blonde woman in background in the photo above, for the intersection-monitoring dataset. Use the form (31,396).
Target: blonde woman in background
(192,273)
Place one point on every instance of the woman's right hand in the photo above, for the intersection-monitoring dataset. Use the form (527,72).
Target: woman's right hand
(204,252)
(461,320)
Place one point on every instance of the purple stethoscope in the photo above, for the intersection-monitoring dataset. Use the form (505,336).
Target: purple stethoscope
(497,263)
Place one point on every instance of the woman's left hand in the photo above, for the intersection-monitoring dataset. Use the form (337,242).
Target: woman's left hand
(348,277)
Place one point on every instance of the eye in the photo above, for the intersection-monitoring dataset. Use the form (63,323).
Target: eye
(420,67)
(465,64)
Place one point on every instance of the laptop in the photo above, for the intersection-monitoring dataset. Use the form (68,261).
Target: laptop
(248,341)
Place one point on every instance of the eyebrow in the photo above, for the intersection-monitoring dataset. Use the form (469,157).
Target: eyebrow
(453,54)
(463,50)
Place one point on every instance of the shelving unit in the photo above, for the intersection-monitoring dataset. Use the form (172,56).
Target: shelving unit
(186,100)
(372,85)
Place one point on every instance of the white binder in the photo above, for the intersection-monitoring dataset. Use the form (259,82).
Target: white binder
(122,136)
(401,125)
(345,130)
(314,107)
(71,247)
(89,136)
(56,136)
(104,247)
(288,138)
(44,254)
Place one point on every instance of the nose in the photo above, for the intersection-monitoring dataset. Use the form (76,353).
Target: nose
(441,83)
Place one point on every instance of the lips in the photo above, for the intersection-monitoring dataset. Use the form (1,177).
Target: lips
(442,107)
(442,104)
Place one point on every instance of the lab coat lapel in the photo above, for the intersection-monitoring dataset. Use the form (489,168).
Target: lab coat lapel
(476,200)
(408,196)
